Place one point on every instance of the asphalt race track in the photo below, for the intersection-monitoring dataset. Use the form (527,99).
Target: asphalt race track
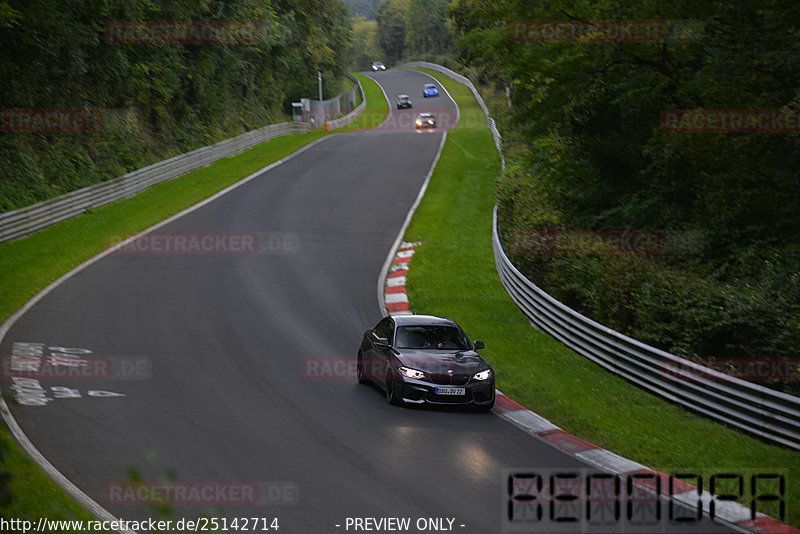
(233,357)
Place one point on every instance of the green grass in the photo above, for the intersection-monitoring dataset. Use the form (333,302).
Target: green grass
(28,265)
(453,274)
(33,494)
(376,110)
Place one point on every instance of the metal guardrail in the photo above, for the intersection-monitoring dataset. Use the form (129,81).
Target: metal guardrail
(350,117)
(761,411)
(756,409)
(463,80)
(24,221)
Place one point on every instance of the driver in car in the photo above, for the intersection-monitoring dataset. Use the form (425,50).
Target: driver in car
(447,341)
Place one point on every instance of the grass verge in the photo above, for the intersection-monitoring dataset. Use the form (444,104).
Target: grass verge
(454,275)
(376,110)
(28,265)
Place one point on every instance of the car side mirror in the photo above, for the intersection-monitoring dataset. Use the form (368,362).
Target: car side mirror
(479,345)
(382,342)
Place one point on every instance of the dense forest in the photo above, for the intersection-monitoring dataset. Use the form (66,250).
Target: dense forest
(581,113)
(587,152)
(403,30)
(414,29)
(363,8)
(154,99)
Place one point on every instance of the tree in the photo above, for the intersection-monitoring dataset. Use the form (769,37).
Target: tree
(589,153)
(157,100)
(364,8)
(365,48)
(391,20)
(427,31)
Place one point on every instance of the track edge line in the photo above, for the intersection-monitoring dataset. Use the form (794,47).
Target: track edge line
(19,435)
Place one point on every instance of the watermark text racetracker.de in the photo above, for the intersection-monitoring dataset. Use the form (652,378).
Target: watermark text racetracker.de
(346,367)
(201,524)
(37,361)
(56,120)
(603,31)
(695,121)
(603,242)
(221,493)
(67,367)
(183,32)
(751,369)
(205,243)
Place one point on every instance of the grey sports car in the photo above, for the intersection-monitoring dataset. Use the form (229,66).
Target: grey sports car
(420,359)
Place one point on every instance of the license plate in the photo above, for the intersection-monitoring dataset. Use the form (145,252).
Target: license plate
(451,391)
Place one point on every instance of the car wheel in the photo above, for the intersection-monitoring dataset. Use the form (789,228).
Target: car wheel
(362,376)
(391,390)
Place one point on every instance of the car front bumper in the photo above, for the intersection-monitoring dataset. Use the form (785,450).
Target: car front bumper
(423,392)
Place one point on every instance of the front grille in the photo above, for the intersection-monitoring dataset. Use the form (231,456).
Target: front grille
(445,379)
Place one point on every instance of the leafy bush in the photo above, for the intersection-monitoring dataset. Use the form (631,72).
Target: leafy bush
(585,151)
(155,101)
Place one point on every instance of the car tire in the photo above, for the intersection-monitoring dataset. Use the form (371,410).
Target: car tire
(362,376)
(391,390)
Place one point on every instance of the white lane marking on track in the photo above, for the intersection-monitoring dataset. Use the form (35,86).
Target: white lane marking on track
(387,264)
(19,435)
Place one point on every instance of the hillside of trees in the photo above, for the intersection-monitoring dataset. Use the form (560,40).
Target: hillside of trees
(585,146)
(414,29)
(155,100)
(586,152)
(364,48)
(363,8)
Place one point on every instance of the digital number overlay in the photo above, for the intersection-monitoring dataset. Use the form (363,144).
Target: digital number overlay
(689,500)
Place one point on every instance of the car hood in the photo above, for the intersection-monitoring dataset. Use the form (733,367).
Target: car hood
(440,361)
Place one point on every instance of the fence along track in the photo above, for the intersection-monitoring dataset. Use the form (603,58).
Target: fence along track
(764,412)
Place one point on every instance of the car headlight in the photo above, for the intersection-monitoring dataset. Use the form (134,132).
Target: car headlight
(412,373)
(419,123)
(483,375)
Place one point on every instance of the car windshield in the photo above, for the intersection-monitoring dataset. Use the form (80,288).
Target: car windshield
(404,98)
(430,86)
(431,337)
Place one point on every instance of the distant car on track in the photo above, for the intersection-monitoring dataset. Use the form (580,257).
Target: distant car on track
(377,65)
(418,359)
(425,120)
(429,90)
(403,101)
